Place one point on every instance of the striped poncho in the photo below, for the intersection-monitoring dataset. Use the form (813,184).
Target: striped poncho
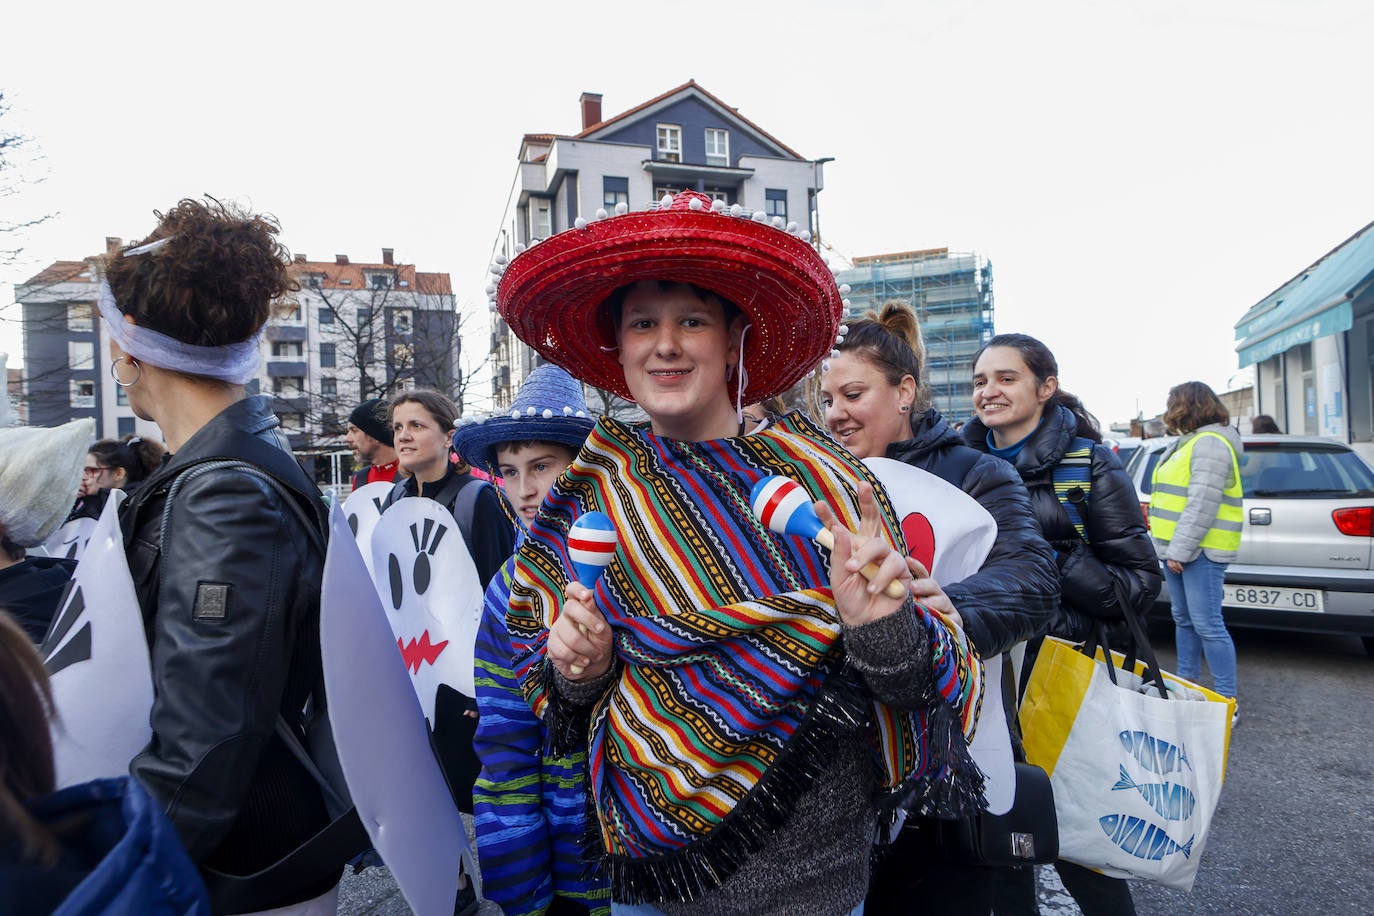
(731,677)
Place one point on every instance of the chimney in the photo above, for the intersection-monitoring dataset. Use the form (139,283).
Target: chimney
(340,259)
(300,258)
(591,109)
(388,256)
(113,244)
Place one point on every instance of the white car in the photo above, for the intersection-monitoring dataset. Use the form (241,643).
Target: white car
(1306,558)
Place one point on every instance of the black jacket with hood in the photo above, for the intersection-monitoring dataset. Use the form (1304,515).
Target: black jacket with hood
(1118,560)
(1014,595)
(230,595)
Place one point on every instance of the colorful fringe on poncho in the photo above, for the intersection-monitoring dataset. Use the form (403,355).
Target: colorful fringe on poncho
(732,682)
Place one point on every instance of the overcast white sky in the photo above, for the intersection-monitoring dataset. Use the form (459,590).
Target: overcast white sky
(1139,174)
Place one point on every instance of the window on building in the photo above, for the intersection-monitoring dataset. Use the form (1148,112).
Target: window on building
(292,422)
(329,387)
(364,317)
(614,191)
(80,316)
(402,322)
(315,281)
(402,356)
(286,349)
(329,423)
(80,354)
(121,396)
(326,315)
(541,218)
(125,426)
(717,146)
(725,194)
(669,143)
(379,280)
(83,394)
(328,355)
(289,313)
(775,202)
(288,386)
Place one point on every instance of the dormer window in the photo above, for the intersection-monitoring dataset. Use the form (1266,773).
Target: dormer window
(717,146)
(670,143)
(379,280)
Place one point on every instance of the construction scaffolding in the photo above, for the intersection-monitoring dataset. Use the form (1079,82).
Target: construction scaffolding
(951,294)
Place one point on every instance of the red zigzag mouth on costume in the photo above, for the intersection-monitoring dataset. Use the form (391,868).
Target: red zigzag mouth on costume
(415,653)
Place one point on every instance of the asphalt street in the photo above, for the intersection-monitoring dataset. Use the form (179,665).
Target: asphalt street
(1294,831)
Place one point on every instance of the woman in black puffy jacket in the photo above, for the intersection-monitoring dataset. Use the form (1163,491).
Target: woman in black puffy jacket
(877,404)
(1023,417)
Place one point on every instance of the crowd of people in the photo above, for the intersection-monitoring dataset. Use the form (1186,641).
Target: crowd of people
(728,720)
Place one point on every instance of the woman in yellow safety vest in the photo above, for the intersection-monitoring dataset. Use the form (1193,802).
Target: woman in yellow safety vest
(1196,519)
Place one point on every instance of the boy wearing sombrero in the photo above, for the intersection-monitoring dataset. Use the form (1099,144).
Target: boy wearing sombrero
(530,806)
(750,704)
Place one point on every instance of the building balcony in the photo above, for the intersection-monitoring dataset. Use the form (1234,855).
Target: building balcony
(285,332)
(279,365)
(688,174)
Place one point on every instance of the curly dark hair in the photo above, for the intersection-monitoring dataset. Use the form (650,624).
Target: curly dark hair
(215,282)
(1193,405)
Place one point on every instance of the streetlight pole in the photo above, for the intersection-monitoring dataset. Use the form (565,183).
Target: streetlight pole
(816,196)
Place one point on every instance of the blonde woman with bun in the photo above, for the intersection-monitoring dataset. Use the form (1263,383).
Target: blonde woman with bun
(877,403)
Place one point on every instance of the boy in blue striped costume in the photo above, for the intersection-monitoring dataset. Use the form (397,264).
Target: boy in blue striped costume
(530,807)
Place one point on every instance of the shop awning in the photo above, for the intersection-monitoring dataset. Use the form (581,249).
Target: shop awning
(1315,303)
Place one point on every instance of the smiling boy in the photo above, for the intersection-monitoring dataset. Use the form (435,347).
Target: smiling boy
(530,806)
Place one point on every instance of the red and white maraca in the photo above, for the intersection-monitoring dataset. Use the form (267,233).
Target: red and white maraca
(785,507)
(592,540)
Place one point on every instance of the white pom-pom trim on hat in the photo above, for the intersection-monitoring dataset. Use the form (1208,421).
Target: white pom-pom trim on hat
(759,216)
(844,289)
(736,210)
(519,247)
(601,213)
(718,205)
(580,223)
(548,414)
(502,260)
(515,414)
(665,201)
(621,209)
(529,411)
(694,203)
(567,411)
(806,235)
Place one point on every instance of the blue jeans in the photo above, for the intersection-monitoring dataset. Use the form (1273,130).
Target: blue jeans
(1195,601)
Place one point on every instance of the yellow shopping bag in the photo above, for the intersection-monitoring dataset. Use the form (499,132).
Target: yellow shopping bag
(1136,776)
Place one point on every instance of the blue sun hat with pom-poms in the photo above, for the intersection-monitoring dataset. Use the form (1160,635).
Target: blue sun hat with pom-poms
(549,407)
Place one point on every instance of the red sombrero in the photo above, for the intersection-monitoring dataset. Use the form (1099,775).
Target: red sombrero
(551,294)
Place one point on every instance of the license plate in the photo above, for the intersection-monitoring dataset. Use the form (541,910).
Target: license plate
(1272,599)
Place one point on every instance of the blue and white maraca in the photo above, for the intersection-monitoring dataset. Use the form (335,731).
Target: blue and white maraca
(592,540)
(785,507)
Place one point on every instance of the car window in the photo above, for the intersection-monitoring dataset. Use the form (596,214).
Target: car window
(1299,469)
(1124,452)
(1150,458)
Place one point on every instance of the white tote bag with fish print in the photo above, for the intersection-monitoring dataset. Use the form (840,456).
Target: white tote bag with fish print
(1136,777)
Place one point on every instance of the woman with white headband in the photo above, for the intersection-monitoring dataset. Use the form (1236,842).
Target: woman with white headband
(225,546)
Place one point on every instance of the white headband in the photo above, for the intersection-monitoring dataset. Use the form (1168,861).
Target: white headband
(235,363)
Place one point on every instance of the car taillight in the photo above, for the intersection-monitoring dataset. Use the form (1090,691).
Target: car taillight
(1357,522)
(1145,513)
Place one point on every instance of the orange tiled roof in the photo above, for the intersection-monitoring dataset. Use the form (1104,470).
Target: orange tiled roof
(333,274)
(60,272)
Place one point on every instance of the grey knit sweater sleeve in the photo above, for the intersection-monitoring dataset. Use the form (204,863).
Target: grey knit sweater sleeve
(893,656)
(1212,470)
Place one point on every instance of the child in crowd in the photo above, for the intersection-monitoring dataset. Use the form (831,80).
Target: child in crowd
(530,806)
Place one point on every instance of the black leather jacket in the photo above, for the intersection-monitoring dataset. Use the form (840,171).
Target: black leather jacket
(1119,556)
(230,594)
(1015,593)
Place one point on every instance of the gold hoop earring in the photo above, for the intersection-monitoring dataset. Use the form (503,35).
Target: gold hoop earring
(114,372)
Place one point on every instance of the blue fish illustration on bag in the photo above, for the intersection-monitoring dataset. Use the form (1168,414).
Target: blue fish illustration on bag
(1171,799)
(1140,839)
(1156,755)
